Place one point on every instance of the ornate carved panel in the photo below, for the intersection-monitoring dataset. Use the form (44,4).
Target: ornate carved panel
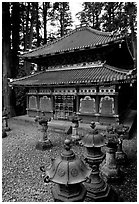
(87,105)
(45,104)
(32,102)
(107,105)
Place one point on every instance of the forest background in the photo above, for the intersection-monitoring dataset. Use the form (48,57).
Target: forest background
(27,25)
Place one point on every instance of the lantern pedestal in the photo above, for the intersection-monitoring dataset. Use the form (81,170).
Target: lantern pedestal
(75,125)
(109,168)
(70,193)
(45,143)
(75,136)
(5,123)
(122,132)
(98,190)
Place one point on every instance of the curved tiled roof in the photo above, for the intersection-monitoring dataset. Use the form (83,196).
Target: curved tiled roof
(93,74)
(78,39)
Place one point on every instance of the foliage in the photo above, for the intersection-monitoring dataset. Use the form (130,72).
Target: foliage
(61,17)
(90,15)
(109,16)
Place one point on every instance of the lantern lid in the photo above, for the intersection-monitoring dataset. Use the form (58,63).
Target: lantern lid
(94,138)
(68,168)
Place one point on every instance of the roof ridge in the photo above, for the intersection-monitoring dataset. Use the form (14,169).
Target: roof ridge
(92,30)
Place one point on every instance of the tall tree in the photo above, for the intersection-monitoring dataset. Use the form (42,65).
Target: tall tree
(90,15)
(15,25)
(111,20)
(46,7)
(6,45)
(61,16)
(131,26)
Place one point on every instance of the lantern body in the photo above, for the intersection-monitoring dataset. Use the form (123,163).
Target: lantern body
(97,190)
(45,143)
(109,167)
(68,172)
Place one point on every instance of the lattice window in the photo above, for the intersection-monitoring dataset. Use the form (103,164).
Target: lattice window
(64,106)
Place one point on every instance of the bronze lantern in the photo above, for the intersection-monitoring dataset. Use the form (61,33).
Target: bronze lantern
(109,168)
(45,143)
(5,120)
(97,189)
(122,132)
(68,172)
(75,125)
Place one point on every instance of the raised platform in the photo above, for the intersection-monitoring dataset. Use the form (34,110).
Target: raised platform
(57,125)
(63,125)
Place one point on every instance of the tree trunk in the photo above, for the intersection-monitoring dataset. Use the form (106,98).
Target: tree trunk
(37,24)
(62,11)
(15,38)
(27,27)
(15,47)
(6,69)
(45,22)
(27,64)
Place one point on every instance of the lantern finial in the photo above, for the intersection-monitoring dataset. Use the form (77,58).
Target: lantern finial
(67,144)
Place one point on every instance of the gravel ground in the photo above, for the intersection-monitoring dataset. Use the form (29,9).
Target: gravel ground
(22,180)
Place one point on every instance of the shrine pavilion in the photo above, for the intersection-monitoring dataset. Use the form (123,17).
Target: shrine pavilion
(87,72)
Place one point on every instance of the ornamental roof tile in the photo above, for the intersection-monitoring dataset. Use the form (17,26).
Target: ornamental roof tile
(78,39)
(94,74)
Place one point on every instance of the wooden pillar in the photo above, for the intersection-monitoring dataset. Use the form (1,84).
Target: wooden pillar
(27,98)
(97,102)
(52,101)
(77,100)
(116,103)
(38,102)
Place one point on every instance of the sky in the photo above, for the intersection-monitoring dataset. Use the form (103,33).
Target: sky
(75,7)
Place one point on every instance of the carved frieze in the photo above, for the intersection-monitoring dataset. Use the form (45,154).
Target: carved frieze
(107,90)
(87,91)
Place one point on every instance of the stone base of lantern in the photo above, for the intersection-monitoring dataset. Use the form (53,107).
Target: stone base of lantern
(111,173)
(121,157)
(43,145)
(106,194)
(75,193)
